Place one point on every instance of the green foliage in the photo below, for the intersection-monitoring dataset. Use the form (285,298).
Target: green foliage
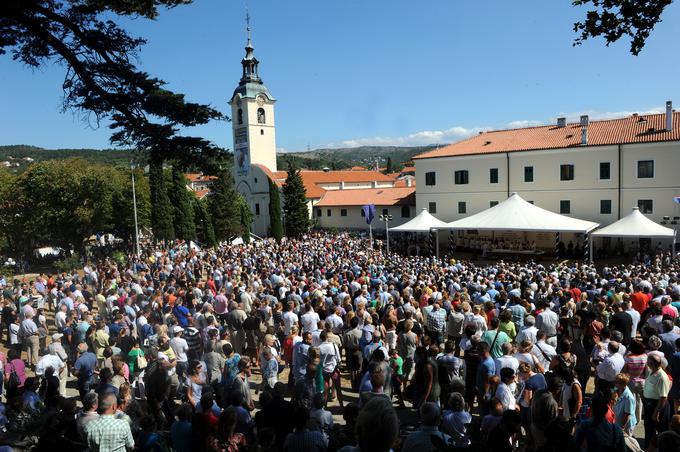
(275,225)
(62,202)
(161,210)
(222,206)
(203,221)
(181,201)
(68,264)
(119,257)
(614,19)
(245,217)
(295,204)
(101,80)
(390,166)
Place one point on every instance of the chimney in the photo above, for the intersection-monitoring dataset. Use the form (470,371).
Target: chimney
(561,122)
(374,184)
(584,121)
(584,136)
(342,185)
(669,116)
(408,181)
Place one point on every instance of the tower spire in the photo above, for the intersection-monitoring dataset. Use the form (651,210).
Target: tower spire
(249,62)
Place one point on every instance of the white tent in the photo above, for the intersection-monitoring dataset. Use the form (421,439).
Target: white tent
(635,224)
(423,222)
(516,214)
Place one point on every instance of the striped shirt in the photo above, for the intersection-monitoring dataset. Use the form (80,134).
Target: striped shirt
(635,366)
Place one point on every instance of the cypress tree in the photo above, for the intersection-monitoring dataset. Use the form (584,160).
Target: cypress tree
(276,227)
(295,203)
(203,222)
(389,167)
(161,210)
(245,217)
(222,206)
(180,199)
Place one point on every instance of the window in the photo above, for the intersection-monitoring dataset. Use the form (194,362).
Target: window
(430,178)
(385,212)
(405,212)
(493,203)
(363,214)
(646,205)
(645,169)
(566,172)
(240,116)
(462,207)
(343,212)
(528,174)
(432,207)
(328,212)
(493,175)
(260,116)
(605,170)
(605,206)
(257,209)
(318,212)
(565,206)
(461,177)
(261,131)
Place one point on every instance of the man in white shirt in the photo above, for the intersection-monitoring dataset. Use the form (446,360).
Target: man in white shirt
(335,321)
(528,333)
(610,367)
(180,346)
(634,314)
(543,351)
(60,318)
(310,319)
(547,321)
(507,360)
(59,367)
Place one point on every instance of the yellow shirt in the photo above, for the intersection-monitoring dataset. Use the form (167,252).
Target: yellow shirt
(657,385)
(100,342)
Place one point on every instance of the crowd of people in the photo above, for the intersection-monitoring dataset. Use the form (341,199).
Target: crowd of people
(248,347)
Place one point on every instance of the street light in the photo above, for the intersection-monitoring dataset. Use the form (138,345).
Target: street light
(387,218)
(134,204)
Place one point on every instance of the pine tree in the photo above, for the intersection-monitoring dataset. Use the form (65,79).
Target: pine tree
(203,222)
(276,227)
(295,203)
(222,207)
(180,200)
(161,210)
(389,167)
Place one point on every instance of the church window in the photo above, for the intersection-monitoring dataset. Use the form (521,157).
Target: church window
(240,116)
(260,116)
(257,209)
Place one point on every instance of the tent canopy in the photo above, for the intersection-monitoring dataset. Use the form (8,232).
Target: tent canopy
(516,214)
(422,222)
(635,224)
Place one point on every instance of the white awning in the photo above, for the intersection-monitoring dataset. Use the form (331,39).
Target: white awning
(516,214)
(422,222)
(635,224)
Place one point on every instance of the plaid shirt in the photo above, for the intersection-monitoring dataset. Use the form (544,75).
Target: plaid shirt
(108,434)
(436,320)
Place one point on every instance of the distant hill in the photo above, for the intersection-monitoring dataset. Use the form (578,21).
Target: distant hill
(20,156)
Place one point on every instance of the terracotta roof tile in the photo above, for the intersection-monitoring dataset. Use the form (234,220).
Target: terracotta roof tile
(196,177)
(632,129)
(363,196)
(200,194)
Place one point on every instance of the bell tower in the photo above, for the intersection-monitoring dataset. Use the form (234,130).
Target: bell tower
(252,113)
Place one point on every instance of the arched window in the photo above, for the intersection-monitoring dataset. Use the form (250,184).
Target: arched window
(240,116)
(260,116)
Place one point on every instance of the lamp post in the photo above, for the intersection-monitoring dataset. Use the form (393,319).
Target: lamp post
(387,218)
(674,222)
(134,205)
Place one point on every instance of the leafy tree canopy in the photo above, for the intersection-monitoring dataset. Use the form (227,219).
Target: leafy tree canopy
(102,80)
(614,19)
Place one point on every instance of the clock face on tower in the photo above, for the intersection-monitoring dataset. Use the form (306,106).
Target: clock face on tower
(261,100)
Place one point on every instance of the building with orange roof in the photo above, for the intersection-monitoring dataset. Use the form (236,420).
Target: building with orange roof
(593,170)
(342,209)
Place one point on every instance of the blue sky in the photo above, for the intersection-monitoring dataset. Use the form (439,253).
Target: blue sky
(372,72)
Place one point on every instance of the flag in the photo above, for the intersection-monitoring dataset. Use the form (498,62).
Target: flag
(677,199)
(369,212)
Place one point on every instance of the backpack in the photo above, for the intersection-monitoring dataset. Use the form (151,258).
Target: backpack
(14,381)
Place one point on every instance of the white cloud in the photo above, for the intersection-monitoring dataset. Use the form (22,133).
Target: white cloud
(421,138)
(458,133)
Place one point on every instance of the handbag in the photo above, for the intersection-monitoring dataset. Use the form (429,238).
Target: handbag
(141,362)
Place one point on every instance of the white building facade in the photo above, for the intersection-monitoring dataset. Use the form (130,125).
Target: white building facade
(589,170)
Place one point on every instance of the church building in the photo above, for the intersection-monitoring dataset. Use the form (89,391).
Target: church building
(254,133)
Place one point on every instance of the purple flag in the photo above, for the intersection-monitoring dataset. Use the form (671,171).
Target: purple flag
(369,212)
(677,199)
